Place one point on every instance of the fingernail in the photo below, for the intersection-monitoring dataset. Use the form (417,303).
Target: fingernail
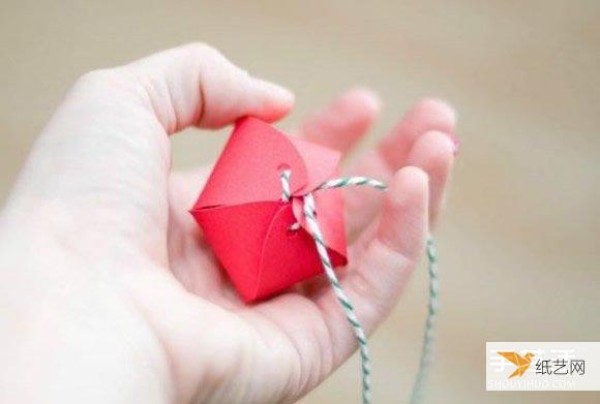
(455,142)
(278,91)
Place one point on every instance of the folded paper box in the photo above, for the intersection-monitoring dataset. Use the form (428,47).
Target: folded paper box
(249,226)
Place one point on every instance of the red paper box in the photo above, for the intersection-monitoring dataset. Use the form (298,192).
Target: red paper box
(248,225)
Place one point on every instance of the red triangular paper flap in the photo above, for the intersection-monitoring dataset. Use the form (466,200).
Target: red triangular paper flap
(321,163)
(289,257)
(238,248)
(249,166)
(329,205)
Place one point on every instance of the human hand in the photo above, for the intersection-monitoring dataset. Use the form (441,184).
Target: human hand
(108,292)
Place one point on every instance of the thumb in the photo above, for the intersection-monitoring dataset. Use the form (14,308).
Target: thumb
(196,85)
(108,140)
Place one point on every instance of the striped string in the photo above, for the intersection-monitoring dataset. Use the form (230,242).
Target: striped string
(418,390)
(285,185)
(353,181)
(309,211)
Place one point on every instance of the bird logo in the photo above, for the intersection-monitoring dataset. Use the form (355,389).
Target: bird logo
(522,362)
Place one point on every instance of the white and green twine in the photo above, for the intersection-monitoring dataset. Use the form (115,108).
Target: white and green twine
(309,211)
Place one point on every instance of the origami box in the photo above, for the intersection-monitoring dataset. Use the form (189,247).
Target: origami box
(249,226)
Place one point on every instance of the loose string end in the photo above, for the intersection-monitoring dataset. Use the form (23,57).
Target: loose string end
(309,211)
(418,391)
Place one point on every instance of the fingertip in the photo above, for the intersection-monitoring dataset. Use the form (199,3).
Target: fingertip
(354,111)
(344,121)
(426,115)
(276,92)
(408,184)
(449,143)
(364,100)
(440,108)
(434,146)
(275,101)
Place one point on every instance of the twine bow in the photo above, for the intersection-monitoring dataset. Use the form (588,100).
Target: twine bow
(309,211)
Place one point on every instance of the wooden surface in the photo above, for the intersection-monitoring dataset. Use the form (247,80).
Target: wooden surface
(519,243)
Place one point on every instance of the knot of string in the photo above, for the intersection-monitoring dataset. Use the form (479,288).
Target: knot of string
(309,211)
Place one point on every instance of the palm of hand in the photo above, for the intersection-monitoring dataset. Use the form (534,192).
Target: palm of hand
(207,343)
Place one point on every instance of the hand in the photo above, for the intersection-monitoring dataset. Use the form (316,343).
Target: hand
(108,292)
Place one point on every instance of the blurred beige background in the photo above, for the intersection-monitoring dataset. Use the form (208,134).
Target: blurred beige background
(519,243)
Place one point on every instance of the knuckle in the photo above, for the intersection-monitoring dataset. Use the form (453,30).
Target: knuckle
(100,79)
(202,50)
(94,77)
